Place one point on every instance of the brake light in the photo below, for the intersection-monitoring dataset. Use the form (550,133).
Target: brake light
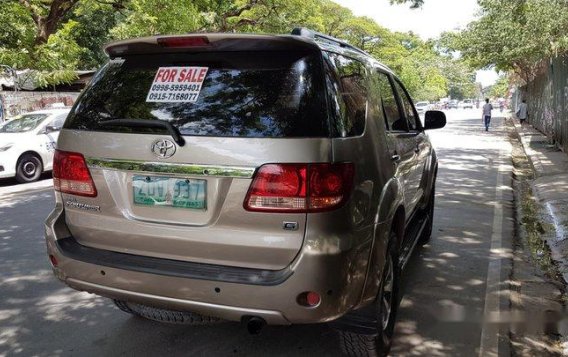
(71,174)
(300,187)
(183,41)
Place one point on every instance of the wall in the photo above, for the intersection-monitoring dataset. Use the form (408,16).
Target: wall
(547,100)
(14,103)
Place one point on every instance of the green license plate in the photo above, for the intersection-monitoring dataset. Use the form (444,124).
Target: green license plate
(169,192)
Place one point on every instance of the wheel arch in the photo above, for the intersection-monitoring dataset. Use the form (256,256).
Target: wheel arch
(391,216)
(34,153)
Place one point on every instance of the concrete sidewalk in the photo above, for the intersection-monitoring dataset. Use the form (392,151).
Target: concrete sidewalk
(550,187)
(541,244)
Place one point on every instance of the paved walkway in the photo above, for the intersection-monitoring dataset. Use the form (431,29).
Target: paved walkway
(550,187)
(535,292)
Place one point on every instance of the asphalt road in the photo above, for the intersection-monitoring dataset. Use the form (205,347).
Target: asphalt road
(448,285)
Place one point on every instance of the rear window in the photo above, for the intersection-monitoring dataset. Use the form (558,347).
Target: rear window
(242,94)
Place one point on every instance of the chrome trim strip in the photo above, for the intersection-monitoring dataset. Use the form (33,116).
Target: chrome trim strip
(171,168)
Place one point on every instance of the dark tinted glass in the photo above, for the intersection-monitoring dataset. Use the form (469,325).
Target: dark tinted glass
(394,120)
(346,82)
(406,103)
(252,94)
(58,121)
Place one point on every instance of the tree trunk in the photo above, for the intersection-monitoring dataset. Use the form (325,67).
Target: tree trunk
(48,24)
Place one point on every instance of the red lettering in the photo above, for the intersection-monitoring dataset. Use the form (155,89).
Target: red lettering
(171,75)
(159,75)
(182,75)
(189,75)
(202,73)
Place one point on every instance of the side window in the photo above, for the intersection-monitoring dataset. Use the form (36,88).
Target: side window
(346,82)
(58,121)
(395,122)
(406,103)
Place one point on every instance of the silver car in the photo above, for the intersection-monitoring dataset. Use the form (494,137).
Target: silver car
(264,179)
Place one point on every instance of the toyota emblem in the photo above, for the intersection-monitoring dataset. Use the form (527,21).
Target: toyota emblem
(163,148)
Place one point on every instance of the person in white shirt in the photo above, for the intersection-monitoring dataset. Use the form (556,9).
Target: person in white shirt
(487,108)
(522,111)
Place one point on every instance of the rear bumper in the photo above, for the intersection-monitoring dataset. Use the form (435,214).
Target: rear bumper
(209,309)
(70,248)
(230,293)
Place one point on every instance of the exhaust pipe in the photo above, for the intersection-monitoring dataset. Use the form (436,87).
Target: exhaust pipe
(255,324)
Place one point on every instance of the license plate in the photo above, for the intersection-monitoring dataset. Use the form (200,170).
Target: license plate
(169,192)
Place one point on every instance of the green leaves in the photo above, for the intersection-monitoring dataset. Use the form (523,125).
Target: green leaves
(150,17)
(515,35)
(79,28)
(414,4)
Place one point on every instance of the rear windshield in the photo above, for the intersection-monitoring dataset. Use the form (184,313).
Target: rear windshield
(230,94)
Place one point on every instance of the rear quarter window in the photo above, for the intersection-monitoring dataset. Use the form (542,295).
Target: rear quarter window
(244,94)
(346,80)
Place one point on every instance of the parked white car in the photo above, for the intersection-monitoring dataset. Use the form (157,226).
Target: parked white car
(422,107)
(27,144)
(466,104)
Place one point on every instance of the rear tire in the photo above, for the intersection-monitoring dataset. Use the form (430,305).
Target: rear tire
(385,307)
(166,316)
(29,168)
(123,305)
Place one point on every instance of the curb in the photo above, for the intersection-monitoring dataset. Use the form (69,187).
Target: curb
(537,166)
(552,243)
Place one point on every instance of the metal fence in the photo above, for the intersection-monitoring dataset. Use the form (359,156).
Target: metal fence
(547,100)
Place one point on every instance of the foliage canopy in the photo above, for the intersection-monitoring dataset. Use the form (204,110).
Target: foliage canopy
(57,37)
(514,36)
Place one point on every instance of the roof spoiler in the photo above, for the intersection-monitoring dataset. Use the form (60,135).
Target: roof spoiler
(305,32)
(204,42)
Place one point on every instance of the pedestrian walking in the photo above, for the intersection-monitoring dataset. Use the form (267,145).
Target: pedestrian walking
(522,112)
(486,116)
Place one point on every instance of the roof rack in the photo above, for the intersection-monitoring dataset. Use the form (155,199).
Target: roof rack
(305,32)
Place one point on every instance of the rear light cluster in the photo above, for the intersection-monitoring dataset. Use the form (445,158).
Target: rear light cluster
(71,174)
(300,187)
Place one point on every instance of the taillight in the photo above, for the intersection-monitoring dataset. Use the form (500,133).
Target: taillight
(183,41)
(71,174)
(300,187)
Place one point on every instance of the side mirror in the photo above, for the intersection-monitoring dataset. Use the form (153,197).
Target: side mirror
(434,119)
(51,129)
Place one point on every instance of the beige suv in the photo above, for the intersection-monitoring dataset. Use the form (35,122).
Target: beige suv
(264,179)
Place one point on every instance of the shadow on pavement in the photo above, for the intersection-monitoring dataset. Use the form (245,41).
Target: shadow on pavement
(42,317)
(444,284)
(4,182)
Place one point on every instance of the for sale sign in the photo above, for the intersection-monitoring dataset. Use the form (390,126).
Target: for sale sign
(177,84)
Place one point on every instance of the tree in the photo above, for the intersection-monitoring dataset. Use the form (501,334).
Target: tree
(501,88)
(150,17)
(514,35)
(57,37)
(43,36)
(414,4)
(94,22)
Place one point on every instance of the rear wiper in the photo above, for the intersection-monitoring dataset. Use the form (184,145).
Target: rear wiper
(147,123)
